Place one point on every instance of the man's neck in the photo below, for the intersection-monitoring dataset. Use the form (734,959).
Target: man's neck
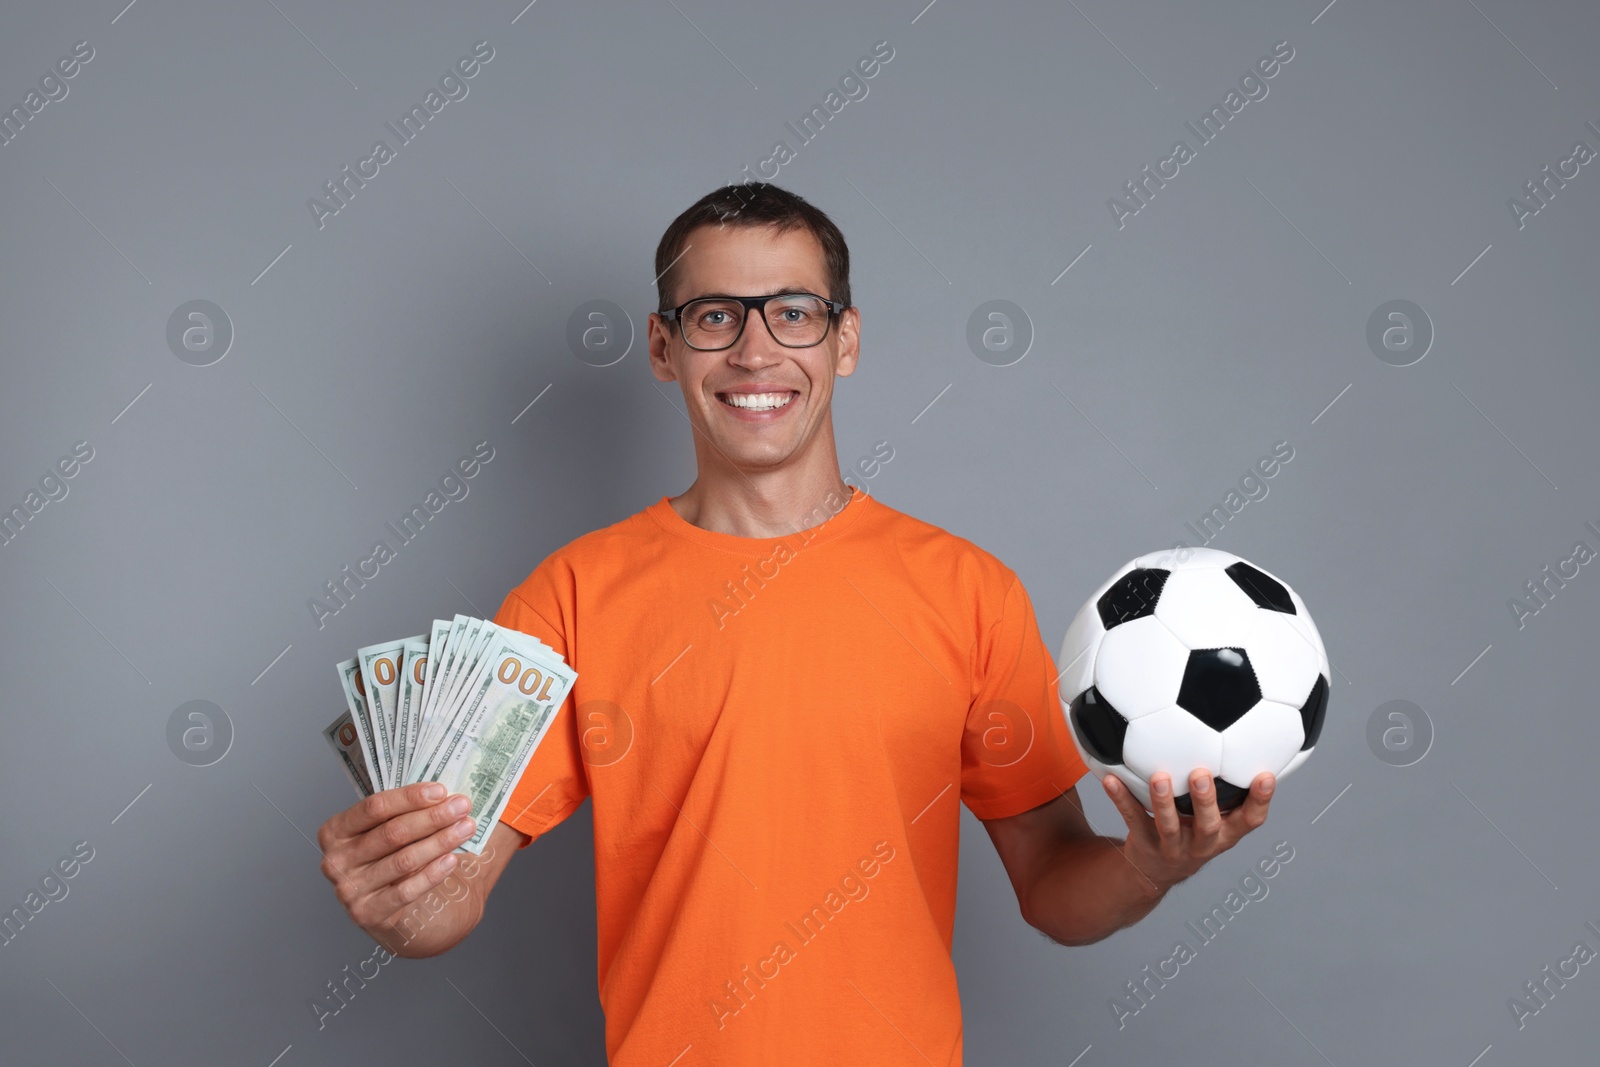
(764,503)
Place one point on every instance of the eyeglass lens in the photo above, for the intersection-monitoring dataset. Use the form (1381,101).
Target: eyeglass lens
(796,320)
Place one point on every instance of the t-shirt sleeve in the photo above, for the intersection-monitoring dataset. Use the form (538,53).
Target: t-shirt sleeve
(1017,752)
(554,783)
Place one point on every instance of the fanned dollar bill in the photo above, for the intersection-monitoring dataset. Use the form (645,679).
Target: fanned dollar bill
(346,744)
(413,671)
(355,698)
(499,722)
(454,650)
(380,671)
(437,636)
(465,704)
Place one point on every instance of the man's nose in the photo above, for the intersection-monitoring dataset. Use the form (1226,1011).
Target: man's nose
(757,347)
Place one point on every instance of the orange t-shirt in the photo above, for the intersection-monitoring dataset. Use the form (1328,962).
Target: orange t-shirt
(775,734)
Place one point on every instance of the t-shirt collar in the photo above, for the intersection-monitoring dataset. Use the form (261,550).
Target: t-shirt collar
(663,514)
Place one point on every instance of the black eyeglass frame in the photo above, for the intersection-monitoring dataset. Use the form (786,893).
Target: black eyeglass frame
(757,304)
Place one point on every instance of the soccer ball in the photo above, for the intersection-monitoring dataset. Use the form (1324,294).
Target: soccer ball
(1190,658)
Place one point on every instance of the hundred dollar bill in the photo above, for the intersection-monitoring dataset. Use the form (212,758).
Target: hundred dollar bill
(346,742)
(437,636)
(442,704)
(465,666)
(413,668)
(355,698)
(380,670)
(502,718)
(477,638)
(443,661)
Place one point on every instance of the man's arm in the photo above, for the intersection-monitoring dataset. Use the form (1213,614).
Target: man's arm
(1077,887)
(392,863)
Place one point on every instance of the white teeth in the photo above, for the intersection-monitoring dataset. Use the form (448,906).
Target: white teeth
(757,401)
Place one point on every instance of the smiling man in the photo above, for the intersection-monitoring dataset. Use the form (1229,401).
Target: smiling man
(776,791)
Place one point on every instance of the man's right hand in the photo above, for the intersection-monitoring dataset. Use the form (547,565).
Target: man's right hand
(390,849)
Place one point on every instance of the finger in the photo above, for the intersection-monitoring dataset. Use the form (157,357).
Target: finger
(1168,825)
(1253,812)
(404,829)
(398,866)
(382,806)
(1207,819)
(383,905)
(1128,805)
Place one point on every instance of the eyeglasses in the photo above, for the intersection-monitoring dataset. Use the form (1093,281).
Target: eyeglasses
(795,320)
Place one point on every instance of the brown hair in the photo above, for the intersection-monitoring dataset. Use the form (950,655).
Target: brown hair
(754,204)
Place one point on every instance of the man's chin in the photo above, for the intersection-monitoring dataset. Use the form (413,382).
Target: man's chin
(768,457)
(753,463)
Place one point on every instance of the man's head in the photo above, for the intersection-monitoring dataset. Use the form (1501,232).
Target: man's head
(758,404)
(751,204)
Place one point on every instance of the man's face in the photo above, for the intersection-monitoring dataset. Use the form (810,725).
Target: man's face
(755,261)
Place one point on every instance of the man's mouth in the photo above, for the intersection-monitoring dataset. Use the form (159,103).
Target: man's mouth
(758,401)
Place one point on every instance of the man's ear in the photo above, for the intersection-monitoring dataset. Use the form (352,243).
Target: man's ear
(849,341)
(659,341)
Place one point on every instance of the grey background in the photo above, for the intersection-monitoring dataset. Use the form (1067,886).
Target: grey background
(1227,315)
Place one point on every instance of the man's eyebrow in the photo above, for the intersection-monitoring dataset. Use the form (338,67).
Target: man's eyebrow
(787,290)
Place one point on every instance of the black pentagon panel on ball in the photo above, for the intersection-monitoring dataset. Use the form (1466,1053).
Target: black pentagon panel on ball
(1133,596)
(1219,686)
(1229,796)
(1316,706)
(1098,725)
(1261,587)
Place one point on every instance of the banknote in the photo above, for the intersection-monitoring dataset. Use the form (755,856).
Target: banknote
(463,671)
(380,671)
(455,647)
(503,716)
(347,744)
(413,669)
(355,698)
(466,704)
(437,636)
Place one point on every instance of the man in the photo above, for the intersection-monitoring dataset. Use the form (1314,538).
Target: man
(784,689)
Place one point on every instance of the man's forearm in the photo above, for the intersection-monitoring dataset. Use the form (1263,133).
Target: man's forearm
(1089,891)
